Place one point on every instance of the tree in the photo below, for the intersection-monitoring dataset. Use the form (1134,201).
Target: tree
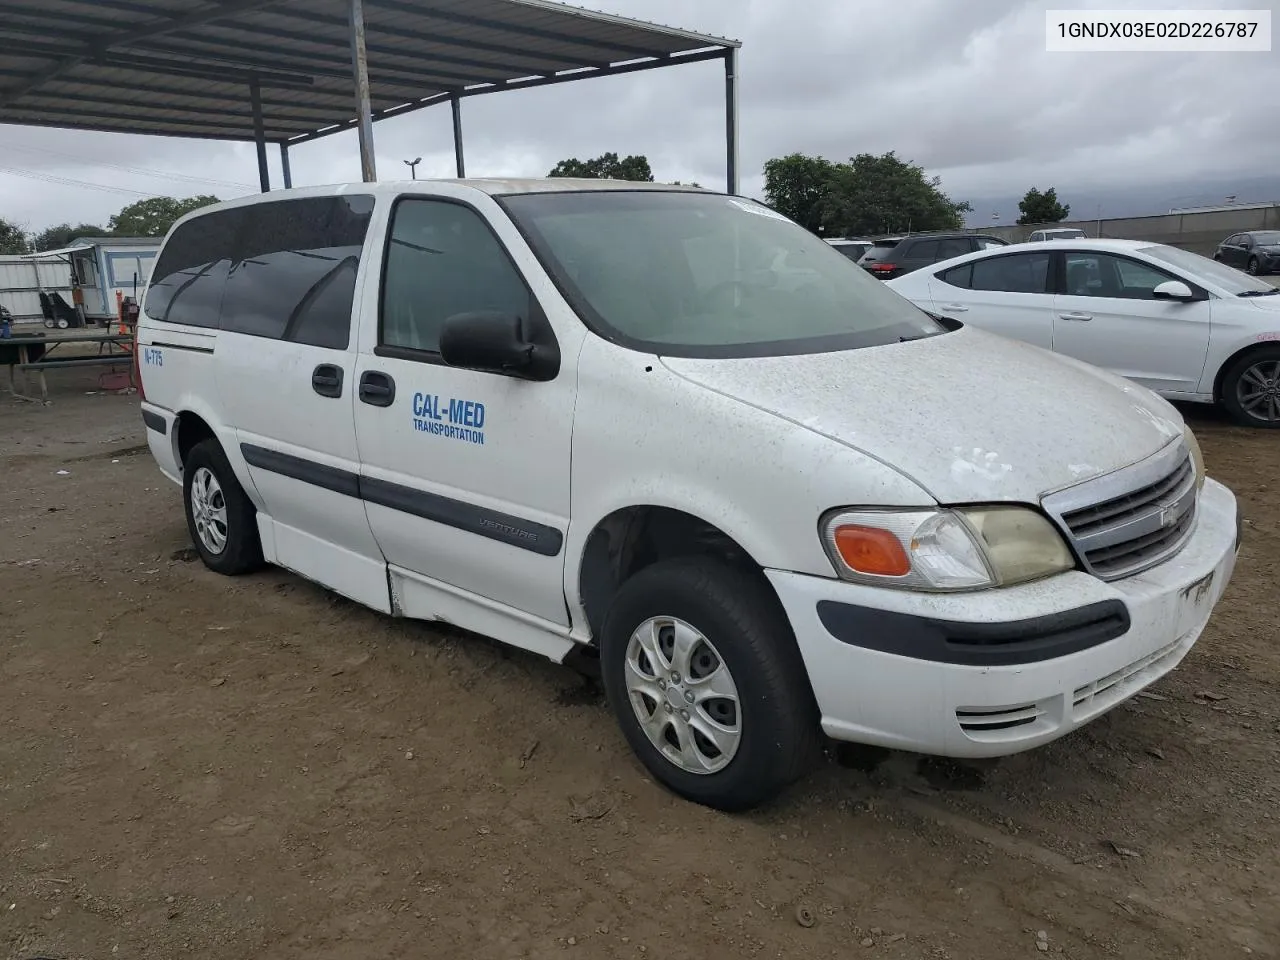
(53,238)
(874,193)
(13,239)
(153,217)
(796,186)
(605,167)
(868,194)
(1044,207)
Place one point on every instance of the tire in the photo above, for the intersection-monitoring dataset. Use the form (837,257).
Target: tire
(223,501)
(738,622)
(1249,375)
(1253,266)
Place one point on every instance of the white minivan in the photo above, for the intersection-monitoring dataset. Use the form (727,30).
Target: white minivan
(674,430)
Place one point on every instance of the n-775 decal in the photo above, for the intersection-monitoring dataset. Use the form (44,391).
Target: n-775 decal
(449,417)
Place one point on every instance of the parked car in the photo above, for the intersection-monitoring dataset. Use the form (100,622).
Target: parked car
(1057,233)
(853,249)
(1256,252)
(895,256)
(585,419)
(1173,321)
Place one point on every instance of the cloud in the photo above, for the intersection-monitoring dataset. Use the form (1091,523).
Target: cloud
(967,90)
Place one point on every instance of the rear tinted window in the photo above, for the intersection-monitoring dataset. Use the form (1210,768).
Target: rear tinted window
(188,279)
(1015,273)
(295,271)
(853,251)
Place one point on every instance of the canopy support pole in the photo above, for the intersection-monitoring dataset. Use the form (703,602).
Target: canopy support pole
(259,134)
(284,166)
(731,119)
(360,72)
(455,105)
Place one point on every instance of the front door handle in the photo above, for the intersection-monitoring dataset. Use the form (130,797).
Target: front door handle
(377,389)
(326,380)
(1076,316)
(955,307)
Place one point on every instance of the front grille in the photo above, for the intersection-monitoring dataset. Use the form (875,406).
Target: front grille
(1133,519)
(1003,724)
(1106,692)
(1002,718)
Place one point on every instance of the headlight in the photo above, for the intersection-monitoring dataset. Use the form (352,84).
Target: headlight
(961,549)
(1197,458)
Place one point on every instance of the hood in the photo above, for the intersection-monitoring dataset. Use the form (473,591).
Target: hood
(968,415)
(1270,303)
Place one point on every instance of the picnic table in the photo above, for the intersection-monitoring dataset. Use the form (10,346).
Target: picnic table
(35,352)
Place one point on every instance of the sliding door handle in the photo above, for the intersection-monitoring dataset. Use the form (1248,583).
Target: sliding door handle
(377,389)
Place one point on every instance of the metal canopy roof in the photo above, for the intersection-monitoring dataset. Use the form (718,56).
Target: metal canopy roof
(195,68)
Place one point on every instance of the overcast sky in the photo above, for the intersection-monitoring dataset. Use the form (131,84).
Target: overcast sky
(962,87)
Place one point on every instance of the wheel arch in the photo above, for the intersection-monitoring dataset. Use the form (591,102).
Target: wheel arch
(631,538)
(1245,351)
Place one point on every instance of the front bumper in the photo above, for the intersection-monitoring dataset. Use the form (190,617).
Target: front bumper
(1000,671)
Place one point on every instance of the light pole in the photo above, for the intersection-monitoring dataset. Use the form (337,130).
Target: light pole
(413,167)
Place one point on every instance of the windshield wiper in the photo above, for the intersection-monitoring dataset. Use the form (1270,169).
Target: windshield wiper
(1260,293)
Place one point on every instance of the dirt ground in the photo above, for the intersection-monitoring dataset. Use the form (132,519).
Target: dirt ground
(194,766)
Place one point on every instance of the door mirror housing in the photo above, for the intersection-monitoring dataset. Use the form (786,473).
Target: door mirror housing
(1173,290)
(502,343)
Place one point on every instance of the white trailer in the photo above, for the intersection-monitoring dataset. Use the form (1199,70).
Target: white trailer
(87,274)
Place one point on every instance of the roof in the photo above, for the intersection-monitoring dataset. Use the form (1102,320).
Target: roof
(1093,243)
(184,67)
(81,244)
(60,252)
(1223,208)
(120,241)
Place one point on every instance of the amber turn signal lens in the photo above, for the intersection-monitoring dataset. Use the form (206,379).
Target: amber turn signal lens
(872,551)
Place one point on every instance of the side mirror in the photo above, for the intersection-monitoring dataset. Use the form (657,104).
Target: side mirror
(1173,290)
(494,342)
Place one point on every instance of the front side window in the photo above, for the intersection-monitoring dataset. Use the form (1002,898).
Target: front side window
(188,279)
(1105,275)
(443,260)
(1012,273)
(1203,269)
(955,247)
(705,275)
(294,276)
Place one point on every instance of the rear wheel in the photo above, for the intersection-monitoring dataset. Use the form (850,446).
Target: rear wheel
(1251,389)
(220,517)
(702,672)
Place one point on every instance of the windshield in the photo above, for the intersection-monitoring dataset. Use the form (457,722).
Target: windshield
(1228,278)
(1267,238)
(853,251)
(705,275)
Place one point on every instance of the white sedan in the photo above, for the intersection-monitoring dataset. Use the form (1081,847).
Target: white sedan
(1175,322)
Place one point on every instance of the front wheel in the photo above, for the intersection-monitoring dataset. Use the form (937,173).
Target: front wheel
(220,517)
(703,674)
(1253,266)
(1251,389)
